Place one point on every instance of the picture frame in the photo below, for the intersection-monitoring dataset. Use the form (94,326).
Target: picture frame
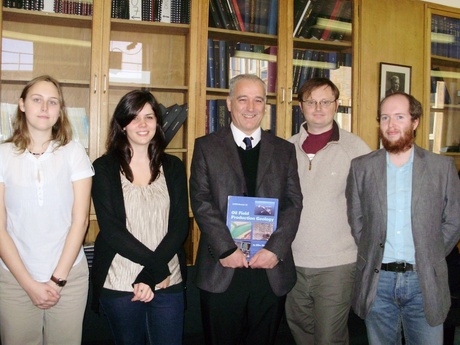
(394,78)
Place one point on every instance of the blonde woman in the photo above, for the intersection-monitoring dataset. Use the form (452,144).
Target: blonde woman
(45,184)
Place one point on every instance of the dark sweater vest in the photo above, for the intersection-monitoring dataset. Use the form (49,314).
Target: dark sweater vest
(249,161)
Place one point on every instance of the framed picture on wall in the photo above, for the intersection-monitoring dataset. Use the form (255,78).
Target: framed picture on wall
(394,78)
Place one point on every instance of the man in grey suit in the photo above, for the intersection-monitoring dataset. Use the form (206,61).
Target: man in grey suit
(404,211)
(242,301)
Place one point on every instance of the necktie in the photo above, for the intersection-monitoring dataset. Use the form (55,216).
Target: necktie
(248,143)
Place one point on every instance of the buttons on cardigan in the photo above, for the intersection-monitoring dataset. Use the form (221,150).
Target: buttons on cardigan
(381,245)
(376,270)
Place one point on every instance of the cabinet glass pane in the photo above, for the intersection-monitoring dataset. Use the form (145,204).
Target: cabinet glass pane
(444,134)
(227,59)
(327,20)
(35,43)
(151,56)
(322,48)
(258,16)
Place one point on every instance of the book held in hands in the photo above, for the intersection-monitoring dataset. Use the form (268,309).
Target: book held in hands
(251,221)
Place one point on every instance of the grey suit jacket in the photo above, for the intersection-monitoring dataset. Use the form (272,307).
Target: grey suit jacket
(216,173)
(435,226)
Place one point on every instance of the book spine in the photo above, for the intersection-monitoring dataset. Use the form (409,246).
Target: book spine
(272,25)
(210,77)
(214,18)
(239,18)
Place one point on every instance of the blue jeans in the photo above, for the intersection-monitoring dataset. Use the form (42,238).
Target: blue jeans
(399,302)
(158,322)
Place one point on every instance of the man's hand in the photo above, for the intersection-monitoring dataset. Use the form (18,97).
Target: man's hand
(263,259)
(235,260)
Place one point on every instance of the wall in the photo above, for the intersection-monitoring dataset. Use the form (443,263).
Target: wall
(390,31)
(451,3)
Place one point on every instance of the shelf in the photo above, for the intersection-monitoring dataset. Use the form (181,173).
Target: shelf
(240,36)
(139,26)
(444,61)
(47,18)
(340,46)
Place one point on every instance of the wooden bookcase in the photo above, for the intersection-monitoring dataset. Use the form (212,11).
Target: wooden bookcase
(98,59)
(443,26)
(85,53)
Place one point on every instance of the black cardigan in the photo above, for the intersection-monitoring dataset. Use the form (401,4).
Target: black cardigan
(114,238)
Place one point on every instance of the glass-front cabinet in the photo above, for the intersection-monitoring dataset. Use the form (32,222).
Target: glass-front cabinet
(322,32)
(285,43)
(444,133)
(99,51)
(36,43)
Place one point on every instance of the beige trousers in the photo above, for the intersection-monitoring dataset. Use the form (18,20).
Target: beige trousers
(23,323)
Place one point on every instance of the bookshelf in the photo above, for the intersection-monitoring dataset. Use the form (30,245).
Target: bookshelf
(98,58)
(444,29)
(282,58)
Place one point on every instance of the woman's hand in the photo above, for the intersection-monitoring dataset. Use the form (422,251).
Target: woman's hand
(164,284)
(43,295)
(143,293)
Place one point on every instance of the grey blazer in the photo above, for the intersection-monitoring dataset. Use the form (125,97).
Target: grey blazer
(435,226)
(216,173)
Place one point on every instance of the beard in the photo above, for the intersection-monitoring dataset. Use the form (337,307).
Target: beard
(401,145)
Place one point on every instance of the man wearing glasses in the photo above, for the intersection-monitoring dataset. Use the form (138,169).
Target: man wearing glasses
(324,250)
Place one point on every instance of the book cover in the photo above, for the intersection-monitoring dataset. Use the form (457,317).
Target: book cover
(238,15)
(301,15)
(176,123)
(214,18)
(210,76)
(333,15)
(251,221)
(272,25)
(212,120)
(169,116)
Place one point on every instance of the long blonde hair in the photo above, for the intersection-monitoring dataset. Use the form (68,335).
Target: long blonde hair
(61,132)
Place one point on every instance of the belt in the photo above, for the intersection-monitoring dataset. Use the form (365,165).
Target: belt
(398,267)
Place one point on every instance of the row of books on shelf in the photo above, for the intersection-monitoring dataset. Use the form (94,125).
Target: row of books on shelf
(314,63)
(259,16)
(323,20)
(439,93)
(227,59)
(342,117)
(218,116)
(165,11)
(77,7)
(445,36)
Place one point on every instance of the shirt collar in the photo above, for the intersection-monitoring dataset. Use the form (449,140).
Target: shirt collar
(238,136)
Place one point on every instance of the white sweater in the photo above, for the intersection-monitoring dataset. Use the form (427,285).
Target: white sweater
(324,237)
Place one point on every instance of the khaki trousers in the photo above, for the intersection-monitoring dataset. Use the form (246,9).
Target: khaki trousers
(23,323)
(317,307)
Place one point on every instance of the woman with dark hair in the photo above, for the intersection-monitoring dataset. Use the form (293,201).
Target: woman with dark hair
(45,184)
(140,197)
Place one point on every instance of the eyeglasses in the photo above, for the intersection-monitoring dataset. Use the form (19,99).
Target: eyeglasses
(312,103)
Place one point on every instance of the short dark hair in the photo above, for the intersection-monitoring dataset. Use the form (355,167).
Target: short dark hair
(313,83)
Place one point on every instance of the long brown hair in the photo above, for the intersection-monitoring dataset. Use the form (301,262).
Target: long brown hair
(61,132)
(117,142)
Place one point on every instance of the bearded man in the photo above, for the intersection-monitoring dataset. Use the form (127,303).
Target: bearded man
(404,211)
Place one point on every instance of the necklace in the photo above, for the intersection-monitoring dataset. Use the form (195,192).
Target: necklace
(37,153)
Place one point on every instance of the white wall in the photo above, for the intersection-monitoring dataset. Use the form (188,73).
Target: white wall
(451,3)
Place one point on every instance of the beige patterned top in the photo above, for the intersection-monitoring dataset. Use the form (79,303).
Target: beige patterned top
(147,212)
